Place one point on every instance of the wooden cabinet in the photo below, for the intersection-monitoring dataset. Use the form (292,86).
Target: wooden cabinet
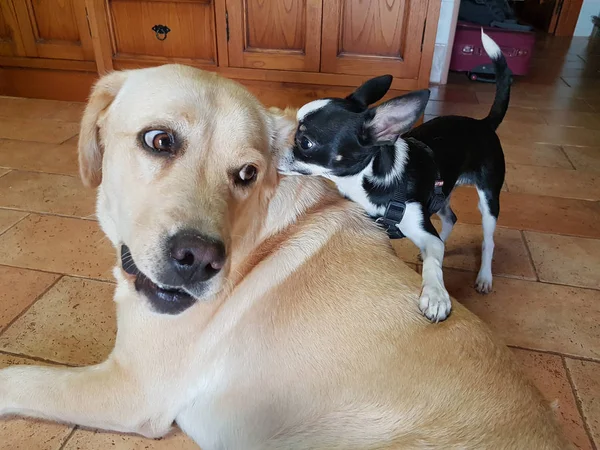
(373,37)
(335,42)
(178,30)
(10,41)
(55,29)
(281,35)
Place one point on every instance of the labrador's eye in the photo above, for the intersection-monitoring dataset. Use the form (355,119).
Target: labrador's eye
(305,143)
(159,141)
(246,175)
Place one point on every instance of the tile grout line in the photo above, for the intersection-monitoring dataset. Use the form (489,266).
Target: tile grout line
(509,277)
(562,149)
(79,277)
(66,441)
(27,308)
(591,106)
(555,353)
(17,169)
(16,223)
(535,271)
(88,218)
(539,113)
(76,134)
(36,358)
(578,403)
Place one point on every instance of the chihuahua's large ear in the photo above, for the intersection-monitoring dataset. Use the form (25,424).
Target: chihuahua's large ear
(386,122)
(90,147)
(371,91)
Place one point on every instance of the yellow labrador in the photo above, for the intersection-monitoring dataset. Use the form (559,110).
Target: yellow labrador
(258,313)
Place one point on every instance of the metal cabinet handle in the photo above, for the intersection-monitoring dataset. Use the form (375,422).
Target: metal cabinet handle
(161,31)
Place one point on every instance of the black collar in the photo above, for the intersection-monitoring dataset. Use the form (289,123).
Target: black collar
(394,210)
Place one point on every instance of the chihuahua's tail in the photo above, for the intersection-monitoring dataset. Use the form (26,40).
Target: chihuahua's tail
(503,81)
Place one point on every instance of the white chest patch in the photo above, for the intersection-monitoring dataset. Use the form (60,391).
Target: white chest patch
(352,188)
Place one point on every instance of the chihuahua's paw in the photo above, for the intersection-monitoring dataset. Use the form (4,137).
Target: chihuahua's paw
(435,303)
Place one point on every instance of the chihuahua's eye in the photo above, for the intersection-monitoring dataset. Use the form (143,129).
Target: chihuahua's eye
(246,175)
(159,141)
(305,143)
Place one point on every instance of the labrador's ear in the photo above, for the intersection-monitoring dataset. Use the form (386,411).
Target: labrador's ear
(282,128)
(90,147)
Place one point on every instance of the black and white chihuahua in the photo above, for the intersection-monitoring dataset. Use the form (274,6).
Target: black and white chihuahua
(372,154)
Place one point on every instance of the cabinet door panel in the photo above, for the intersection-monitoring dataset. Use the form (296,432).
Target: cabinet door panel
(55,29)
(10,41)
(372,37)
(191,36)
(275,34)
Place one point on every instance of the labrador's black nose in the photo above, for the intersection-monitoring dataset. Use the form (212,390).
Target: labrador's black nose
(194,257)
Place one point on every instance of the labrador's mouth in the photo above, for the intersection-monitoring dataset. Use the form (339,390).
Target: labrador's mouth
(164,299)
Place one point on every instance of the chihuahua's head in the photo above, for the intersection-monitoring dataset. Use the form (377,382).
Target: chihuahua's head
(338,137)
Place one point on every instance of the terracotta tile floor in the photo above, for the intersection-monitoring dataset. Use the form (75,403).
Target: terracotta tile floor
(55,282)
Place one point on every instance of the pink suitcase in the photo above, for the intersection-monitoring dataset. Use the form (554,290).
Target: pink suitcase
(468,54)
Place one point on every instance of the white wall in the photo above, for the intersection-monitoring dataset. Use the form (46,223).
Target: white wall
(584,25)
(444,40)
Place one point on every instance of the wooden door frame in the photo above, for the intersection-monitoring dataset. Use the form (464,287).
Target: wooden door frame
(564,22)
(97,12)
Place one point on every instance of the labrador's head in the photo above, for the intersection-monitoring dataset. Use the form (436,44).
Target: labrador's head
(183,161)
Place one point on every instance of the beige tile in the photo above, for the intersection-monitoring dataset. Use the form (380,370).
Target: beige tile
(537,155)
(586,378)
(584,158)
(99,440)
(9,218)
(19,288)
(58,244)
(73,323)
(29,434)
(28,108)
(40,130)
(534,315)
(524,133)
(572,119)
(548,373)
(534,212)
(565,259)
(519,115)
(46,193)
(36,156)
(548,103)
(463,251)
(553,182)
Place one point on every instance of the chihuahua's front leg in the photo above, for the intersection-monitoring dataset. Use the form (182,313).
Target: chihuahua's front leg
(435,301)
